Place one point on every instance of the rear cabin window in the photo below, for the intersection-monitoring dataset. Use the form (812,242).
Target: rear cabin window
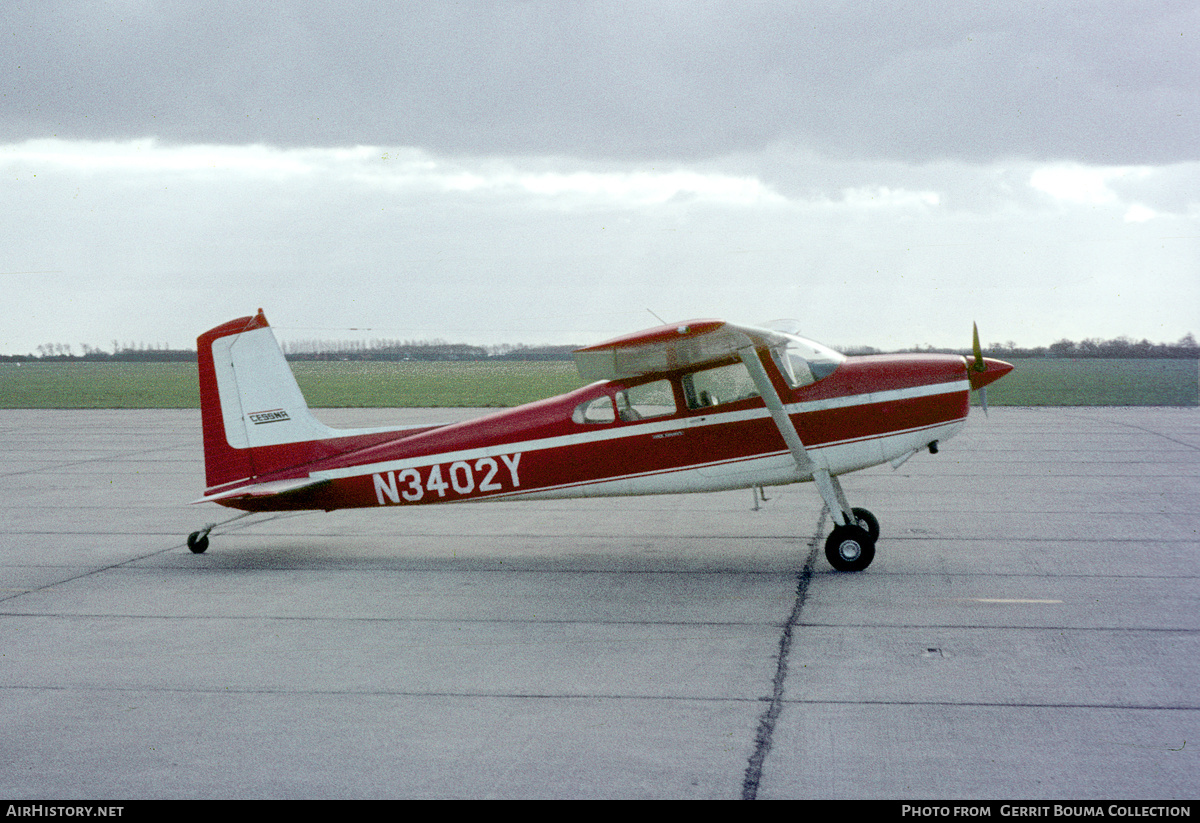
(656,399)
(599,410)
(716,387)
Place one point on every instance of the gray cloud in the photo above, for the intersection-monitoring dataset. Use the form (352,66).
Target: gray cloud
(1097,82)
(544,172)
(139,240)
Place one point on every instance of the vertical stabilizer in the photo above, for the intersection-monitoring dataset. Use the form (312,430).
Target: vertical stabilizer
(253,413)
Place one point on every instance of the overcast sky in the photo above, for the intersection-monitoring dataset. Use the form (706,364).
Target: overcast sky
(553,172)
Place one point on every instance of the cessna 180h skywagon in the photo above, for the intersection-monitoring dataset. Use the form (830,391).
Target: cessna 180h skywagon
(698,406)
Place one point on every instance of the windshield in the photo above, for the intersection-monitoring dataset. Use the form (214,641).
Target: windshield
(803,361)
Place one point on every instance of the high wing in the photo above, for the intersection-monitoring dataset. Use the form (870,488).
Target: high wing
(666,348)
(695,343)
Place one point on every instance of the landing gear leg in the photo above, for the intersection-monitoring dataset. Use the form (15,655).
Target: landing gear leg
(850,547)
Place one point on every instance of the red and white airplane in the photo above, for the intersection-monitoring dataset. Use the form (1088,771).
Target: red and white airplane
(700,406)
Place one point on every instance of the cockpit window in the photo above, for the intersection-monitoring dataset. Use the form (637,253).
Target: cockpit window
(803,361)
(715,387)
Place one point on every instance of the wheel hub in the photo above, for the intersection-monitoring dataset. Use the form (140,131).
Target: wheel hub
(850,550)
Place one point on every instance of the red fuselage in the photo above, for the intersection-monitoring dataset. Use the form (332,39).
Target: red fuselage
(867,411)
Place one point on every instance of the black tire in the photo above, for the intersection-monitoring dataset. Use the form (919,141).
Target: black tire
(867,521)
(849,548)
(197,542)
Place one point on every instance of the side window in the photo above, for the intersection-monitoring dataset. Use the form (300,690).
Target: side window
(599,410)
(715,387)
(647,400)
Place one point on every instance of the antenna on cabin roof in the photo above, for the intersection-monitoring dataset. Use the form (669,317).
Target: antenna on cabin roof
(656,317)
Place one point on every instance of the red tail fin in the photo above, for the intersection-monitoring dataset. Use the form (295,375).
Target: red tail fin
(222,462)
(255,419)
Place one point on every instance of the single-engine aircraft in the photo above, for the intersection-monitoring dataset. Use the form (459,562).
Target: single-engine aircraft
(698,406)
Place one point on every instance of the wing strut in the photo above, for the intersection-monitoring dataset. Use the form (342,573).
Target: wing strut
(827,484)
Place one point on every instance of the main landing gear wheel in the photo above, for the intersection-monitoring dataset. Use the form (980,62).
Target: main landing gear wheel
(850,548)
(198,542)
(867,521)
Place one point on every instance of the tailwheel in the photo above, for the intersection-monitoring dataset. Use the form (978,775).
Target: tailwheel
(850,548)
(198,541)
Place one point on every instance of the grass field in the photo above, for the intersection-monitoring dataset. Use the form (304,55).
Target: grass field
(81,385)
(1094,382)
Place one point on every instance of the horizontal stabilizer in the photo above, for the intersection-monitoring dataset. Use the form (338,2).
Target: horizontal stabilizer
(274,488)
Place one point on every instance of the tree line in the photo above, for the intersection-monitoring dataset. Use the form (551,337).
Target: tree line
(440,350)
(121,353)
(418,350)
(384,350)
(1120,348)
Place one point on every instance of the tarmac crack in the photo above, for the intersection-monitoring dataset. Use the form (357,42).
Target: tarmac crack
(67,464)
(1154,432)
(766,724)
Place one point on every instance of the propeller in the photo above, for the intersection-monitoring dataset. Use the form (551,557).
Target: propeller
(979,365)
(984,370)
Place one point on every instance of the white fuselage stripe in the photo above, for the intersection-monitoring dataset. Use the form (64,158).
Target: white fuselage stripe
(786,470)
(648,427)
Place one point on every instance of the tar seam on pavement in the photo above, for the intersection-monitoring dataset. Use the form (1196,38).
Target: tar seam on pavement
(766,724)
